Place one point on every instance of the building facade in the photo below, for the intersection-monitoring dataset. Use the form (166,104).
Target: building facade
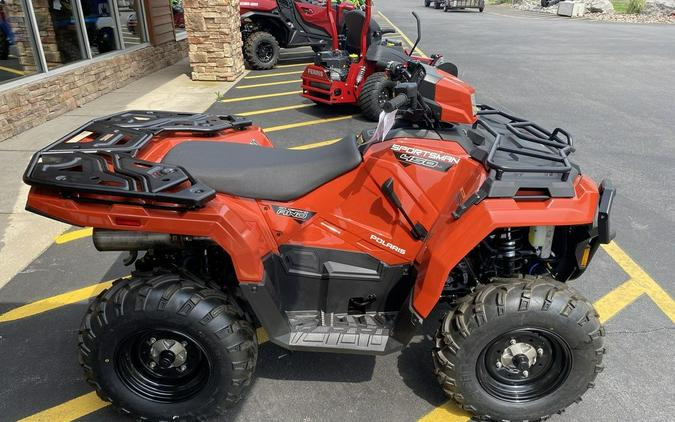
(56,55)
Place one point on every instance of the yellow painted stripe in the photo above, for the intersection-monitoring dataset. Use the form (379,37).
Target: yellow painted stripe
(642,280)
(54,302)
(294,81)
(403,35)
(14,71)
(73,235)
(282,66)
(307,123)
(259,97)
(70,410)
(448,412)
(610,304)
(272,75)
(315,144)
(90,402)
(274,110)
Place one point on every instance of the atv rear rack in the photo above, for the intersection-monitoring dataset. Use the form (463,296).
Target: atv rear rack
(97,162)
(524,160)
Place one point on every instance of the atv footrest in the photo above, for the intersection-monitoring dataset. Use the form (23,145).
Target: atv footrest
(365,333)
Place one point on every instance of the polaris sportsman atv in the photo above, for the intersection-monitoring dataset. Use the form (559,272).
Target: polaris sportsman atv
(267,25)
(345,248)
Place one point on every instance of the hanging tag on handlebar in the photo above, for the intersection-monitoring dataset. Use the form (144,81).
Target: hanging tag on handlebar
(384,125)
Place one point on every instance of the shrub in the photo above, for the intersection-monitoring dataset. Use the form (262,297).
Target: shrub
(635,6)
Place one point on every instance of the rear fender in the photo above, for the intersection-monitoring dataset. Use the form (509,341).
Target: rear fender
(237,225)
(450,240)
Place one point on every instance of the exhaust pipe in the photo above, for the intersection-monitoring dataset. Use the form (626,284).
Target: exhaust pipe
(119,240)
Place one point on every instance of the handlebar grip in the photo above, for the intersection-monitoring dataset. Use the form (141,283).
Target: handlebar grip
(395,103)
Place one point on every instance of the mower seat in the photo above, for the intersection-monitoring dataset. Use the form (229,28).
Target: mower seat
(275,174)
(353,23)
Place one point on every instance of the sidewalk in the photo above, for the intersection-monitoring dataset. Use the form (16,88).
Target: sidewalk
(23,236)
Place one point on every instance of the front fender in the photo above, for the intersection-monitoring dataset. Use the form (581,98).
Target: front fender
(451,240)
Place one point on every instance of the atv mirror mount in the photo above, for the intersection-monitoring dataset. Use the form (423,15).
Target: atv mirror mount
(419,34)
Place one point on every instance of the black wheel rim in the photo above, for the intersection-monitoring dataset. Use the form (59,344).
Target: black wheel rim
(384,96)
(140,373)
(546,374)
(265,52)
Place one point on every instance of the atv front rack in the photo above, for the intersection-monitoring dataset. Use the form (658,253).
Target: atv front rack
(524,160)
(97,162)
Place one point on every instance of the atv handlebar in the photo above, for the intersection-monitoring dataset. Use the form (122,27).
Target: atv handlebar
(395,103)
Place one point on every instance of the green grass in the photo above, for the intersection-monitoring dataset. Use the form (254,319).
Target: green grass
(620,6)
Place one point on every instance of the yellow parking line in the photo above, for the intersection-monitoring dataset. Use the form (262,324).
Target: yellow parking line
(274,110)
(642,281)
(258,97)
(14,71)
(315,144)
(54,302)
(307,123)
(70,410)
(271,75)
(294,81)
(282,66)
(90,402)
(448,412)
(74,235)
(403,35)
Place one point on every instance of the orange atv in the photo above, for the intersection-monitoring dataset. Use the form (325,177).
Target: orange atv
(345,248)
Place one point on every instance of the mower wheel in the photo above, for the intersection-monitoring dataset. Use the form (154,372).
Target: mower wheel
(519,350)
(166,347)
(427,3)
(261,50)
(376,91)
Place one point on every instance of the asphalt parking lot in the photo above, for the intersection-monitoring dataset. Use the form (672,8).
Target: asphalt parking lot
(612,85)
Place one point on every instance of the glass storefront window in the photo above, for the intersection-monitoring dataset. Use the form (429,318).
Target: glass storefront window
(59,29)
(17,49)
(130,14)
(178,17)
(101,26)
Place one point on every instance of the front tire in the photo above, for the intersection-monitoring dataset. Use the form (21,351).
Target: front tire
(261,50)
(167,348)
(376,91)
(519,350)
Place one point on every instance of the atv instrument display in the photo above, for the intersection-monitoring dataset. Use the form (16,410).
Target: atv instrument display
(345,248)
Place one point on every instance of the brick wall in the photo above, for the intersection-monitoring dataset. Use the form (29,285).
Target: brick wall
(215,39)
(34,103)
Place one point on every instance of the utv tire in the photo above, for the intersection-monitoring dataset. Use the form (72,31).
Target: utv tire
(132,341)
(261,50)
(474,353)
(376,91)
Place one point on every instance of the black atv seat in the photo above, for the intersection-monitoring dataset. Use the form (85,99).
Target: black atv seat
(274,174)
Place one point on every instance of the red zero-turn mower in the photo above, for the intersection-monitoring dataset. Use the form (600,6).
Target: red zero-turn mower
(345,248)
(267,25)
(359,73)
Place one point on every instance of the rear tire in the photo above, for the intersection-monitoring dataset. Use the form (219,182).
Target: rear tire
(374,94)
(132,341)
(261,50)
(559,336)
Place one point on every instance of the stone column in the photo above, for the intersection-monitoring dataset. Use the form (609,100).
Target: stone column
(214,39)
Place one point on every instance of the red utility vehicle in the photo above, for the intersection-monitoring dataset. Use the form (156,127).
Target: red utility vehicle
(359,73)
(345,248)
(267,25)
